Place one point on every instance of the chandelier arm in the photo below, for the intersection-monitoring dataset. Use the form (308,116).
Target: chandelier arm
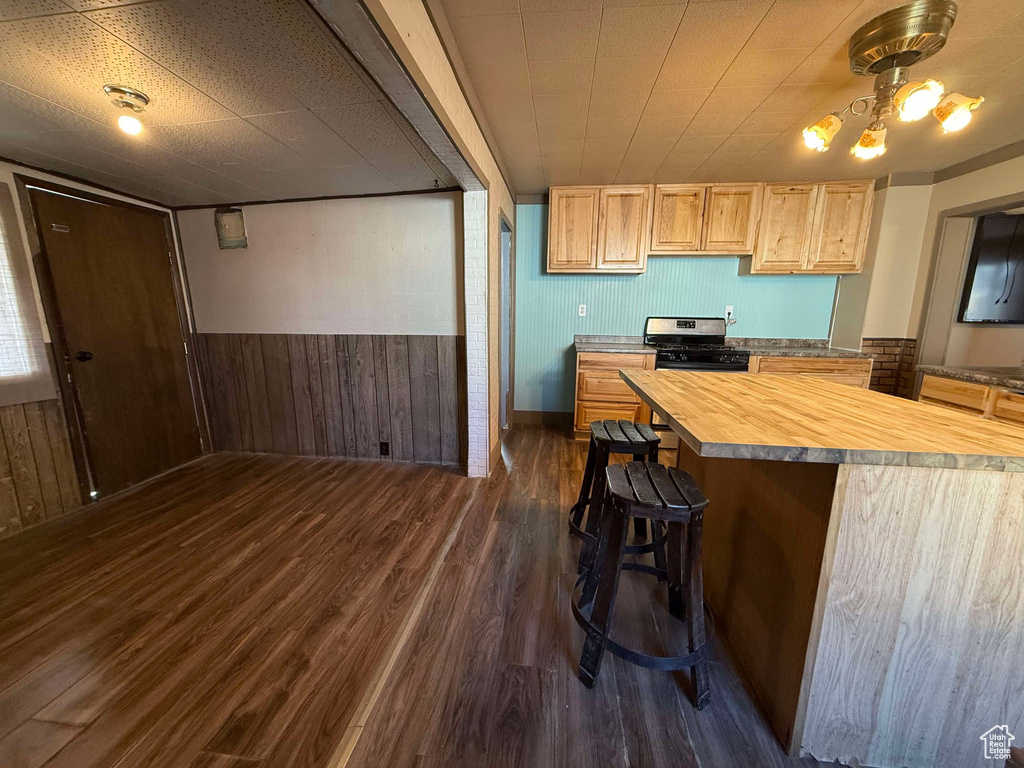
(852,106)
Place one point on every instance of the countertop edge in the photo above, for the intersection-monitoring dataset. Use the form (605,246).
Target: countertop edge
(613,347)
(816,455)
(976,377)
(819,352)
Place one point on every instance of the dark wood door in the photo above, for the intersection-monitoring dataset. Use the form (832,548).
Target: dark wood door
(110,269)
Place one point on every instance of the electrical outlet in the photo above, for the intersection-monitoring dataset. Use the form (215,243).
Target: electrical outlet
(583,310)
(728,311)
(385,448)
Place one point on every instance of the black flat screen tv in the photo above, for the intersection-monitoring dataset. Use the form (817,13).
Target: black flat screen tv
(994,284)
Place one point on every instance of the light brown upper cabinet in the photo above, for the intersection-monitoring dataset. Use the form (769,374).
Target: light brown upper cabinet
(705,218)
(787,220)
(842,215)
(775,228)
(599,229)
(731,214)
(623,228)
(812,228)
(572,229)
(678,217)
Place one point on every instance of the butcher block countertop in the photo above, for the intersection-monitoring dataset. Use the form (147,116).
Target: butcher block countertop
(804,419)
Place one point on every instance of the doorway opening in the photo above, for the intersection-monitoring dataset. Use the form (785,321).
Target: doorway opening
(507,357)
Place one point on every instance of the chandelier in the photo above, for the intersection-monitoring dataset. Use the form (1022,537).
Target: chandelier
(887,46)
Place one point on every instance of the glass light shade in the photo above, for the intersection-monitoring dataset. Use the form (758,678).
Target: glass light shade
(915,100)
(129,124)
(871,143)
(954,111)
(820,135)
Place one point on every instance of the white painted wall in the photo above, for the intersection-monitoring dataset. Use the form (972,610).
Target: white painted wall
(940,275)
(381,265)
(963,344)
(878,302)
(1006,178)
(897,258)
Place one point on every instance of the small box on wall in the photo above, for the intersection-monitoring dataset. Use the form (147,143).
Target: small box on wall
(230,228)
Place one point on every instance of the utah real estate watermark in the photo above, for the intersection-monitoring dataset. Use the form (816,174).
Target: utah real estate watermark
(997,742)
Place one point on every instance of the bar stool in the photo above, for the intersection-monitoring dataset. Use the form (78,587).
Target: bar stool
(657,493)
(608,437)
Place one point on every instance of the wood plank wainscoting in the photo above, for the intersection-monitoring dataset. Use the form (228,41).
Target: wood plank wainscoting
(336,395)
(37,473)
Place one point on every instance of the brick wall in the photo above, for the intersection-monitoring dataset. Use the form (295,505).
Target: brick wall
(474,218)
(893,370)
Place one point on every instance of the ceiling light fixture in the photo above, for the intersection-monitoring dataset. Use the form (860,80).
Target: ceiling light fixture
(954,111)
(871,143)
(123,97)
(915,100)
(886,47)
(820,135)
(129,124)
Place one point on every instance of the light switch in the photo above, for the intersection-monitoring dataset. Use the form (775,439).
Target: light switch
(583,310)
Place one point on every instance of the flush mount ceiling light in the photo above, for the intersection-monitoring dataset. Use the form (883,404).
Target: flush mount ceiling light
(886,47)
(126,98)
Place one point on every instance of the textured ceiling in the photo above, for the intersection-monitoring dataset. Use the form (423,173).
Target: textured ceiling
(251,100)
(628,91)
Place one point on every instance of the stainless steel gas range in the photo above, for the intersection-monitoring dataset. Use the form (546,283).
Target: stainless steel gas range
(693,344)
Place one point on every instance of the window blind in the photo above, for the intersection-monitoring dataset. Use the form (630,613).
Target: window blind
(25,374)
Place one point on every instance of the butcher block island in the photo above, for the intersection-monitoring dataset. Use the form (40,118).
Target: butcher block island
(862,559)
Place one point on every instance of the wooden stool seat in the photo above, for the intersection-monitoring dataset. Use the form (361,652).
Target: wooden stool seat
(624,436)
(655,491)
(608,437)
(669,497)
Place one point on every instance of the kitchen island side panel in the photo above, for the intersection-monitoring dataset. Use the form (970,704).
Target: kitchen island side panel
(919,637)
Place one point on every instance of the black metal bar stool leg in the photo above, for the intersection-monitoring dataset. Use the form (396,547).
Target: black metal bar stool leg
(695,604)
(605,574)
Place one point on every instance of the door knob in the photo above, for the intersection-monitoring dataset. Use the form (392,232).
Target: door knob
(82,356)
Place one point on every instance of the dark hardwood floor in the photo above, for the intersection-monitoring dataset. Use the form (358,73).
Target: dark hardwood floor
(255,611)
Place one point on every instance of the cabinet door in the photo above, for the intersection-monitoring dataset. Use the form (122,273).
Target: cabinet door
(678,218)
(787,220)
(604,385)
(623,222)
(1007,407)
(572,229)
(841,220)
(587,412)
(962,395)
(731,213)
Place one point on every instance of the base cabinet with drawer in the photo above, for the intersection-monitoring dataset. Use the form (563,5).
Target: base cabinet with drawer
(602,394)
(855,371)
(981,400)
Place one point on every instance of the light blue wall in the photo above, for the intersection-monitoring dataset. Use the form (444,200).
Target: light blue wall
(780,306)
